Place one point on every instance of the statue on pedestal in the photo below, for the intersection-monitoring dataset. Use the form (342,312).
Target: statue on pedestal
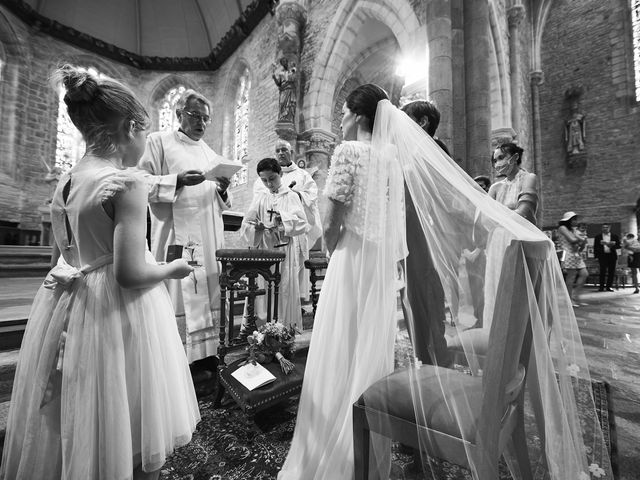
(575,129)
(285,77)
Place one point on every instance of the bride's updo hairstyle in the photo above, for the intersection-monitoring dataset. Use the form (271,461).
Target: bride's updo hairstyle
(364,101)
(102,109)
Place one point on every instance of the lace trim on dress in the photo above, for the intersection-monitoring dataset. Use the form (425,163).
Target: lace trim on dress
(121,181)
(340,184)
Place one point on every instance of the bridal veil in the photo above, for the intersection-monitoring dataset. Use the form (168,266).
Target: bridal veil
(468,399)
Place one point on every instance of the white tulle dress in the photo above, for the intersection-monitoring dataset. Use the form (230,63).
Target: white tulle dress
(102,383)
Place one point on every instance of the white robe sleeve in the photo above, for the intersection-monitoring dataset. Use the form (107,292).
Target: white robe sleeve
(294,220)
(162,185)
(308,192)
(248,232)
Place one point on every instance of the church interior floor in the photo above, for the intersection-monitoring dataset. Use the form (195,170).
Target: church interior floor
(609,323)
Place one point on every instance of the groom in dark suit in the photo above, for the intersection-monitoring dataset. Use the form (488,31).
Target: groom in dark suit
(424,290)
(604,248)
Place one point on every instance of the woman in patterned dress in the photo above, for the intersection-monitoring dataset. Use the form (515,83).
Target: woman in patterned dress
(572,242)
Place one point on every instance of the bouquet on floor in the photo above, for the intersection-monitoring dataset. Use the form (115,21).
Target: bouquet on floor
(272,340)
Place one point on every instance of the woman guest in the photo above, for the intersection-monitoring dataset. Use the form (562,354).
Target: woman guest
(572,242)
(102,388)
(518,189)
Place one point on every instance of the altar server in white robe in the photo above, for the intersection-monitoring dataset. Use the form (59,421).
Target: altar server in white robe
(276,219)
(186,209)
(301,182)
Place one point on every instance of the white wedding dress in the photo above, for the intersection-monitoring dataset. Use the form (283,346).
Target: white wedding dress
(345,355)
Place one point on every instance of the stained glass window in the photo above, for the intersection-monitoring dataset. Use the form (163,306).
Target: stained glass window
(241,129)
(635,22)
(70,146)
(167,112)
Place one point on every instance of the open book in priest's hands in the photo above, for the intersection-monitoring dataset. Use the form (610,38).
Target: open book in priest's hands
(226,168)
(253,376)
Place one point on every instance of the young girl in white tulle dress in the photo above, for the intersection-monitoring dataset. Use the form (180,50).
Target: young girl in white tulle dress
(102,388)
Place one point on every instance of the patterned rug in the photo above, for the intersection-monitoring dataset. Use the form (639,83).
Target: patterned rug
(224,447)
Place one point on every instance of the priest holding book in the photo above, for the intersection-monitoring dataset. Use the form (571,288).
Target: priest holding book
(186,200)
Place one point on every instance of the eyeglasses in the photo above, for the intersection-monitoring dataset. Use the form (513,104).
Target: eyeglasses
(198,117)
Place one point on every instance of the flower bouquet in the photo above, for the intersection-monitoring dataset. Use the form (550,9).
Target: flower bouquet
(271,340)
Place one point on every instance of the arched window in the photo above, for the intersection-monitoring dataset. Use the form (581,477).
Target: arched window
(70,146)
(635,22)
(241,129)
(167,116)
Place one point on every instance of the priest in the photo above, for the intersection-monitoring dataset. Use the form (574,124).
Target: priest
(186,220)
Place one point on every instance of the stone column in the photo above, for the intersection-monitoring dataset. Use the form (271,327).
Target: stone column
(477,88)
(459,142)
(291,17)
(440,65)
(318,147)
(515,15)
(537,78)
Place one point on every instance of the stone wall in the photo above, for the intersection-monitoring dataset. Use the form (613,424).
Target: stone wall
(598,57)
(30,106)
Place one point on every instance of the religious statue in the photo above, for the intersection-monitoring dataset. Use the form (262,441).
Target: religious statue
(575,131)
(285,77)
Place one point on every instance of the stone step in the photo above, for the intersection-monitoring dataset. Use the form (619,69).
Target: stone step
(24,270)
(8,361)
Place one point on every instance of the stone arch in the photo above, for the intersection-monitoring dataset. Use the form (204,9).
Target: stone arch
(15,55)
(349,79)
(541,9)
(239,67)
(160,90)
(332,58)
(500,95)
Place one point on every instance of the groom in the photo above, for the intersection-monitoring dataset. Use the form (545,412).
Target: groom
(424,291)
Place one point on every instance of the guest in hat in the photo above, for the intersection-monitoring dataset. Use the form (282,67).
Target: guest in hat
(573,242)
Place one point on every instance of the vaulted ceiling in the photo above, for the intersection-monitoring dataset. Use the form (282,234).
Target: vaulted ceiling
(149,33)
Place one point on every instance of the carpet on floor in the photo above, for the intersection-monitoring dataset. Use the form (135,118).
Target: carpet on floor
(225,448)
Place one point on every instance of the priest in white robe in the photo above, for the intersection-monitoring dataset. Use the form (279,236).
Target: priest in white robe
(186,210)
(300,182)
(276,220)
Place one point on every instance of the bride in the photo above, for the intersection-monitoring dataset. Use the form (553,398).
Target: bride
(356,327)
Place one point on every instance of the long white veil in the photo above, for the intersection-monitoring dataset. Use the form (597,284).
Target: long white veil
(470,399)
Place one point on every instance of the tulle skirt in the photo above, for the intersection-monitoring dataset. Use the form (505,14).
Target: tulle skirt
(344,359)
(102,384)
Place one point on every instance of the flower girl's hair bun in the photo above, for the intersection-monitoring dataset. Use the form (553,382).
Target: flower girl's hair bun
(101,108)
(81,86)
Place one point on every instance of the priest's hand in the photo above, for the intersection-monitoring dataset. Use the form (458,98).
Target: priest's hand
(189,177)
(223,184)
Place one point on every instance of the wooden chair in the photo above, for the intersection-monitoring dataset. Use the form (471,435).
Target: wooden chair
(317,265)
(492,419)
